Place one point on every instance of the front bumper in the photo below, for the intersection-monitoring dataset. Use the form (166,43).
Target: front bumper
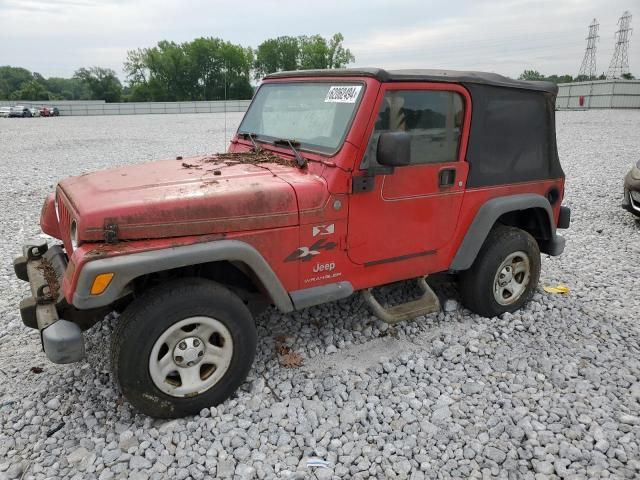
(631,199)
(43,268)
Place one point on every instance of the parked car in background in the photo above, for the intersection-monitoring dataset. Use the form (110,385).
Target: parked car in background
(35,112)
(631,199)
(54,112)
(45,112)
(19,111)
(4,112)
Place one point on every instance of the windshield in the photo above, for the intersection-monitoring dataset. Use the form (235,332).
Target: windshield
(315,114)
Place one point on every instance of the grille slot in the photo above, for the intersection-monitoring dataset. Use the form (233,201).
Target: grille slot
(65,223)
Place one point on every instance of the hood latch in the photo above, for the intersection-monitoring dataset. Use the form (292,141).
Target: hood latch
(110,232)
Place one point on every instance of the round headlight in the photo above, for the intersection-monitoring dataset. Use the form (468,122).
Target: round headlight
(74,234)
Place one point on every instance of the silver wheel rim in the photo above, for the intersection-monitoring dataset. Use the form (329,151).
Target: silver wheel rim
(512,278)
(191,356)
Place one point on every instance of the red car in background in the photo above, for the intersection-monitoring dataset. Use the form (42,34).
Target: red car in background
(49,112)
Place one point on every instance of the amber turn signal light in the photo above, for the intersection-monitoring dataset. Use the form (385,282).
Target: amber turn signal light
(100,283)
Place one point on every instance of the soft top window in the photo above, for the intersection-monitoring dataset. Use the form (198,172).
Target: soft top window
(512,136)
(433,119)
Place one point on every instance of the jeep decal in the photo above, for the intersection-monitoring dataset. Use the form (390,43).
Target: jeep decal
(307,253)
(323,229)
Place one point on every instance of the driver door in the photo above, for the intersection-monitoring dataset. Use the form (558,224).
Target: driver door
(410,213)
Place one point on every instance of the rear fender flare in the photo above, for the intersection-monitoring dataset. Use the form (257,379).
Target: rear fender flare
(129,267)
(487,216)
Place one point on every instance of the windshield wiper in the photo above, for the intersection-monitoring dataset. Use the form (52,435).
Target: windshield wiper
(300,160)
(251,136)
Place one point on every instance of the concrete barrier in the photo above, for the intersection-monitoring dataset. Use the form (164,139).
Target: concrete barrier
(598,94)
(99,107)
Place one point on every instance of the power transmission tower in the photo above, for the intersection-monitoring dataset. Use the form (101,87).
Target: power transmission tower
(588,67)
(620,61)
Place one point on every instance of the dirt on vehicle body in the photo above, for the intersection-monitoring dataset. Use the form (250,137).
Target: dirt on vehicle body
(336,182)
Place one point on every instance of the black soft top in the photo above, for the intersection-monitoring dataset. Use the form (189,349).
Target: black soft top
(420,75)
(512,137)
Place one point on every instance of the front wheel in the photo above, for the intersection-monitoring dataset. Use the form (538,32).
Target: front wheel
(505,273)
(183,346)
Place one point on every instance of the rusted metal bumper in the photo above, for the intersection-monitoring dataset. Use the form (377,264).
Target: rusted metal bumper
(43,268)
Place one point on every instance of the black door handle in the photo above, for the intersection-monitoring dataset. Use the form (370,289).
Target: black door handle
(447,177)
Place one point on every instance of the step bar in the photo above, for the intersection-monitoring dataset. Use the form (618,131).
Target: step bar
(426,304)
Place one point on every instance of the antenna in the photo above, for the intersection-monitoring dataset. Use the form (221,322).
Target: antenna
(620,61)
(588,67)
(225,106)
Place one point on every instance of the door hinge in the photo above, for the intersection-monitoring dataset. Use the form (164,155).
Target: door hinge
(363,184)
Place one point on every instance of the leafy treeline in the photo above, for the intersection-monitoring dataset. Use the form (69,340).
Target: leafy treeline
(301,53)
(203,69)
(535,75)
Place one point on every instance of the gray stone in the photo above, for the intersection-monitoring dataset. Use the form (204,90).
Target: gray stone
(106,474)
(77,455)
(546,468)
(139,463)
(245,471)
(127,440)
(53,404)
(471,388)
(454,353)
(110,456)
(629,419)
(494,454)
(450,305)
(226,467)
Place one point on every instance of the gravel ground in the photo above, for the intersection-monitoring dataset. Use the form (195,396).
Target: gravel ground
(551,391)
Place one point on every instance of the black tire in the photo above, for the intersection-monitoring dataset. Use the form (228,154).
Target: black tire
(155,311)
(477,283)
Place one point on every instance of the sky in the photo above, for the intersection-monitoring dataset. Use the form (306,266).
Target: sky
(56,37)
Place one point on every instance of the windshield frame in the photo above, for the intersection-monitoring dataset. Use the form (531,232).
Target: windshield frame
(303,146)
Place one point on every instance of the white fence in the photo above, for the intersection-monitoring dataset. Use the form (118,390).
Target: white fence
(599,94)
(84,108)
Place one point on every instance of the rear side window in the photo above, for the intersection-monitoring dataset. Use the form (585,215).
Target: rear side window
(512,137)
(433,118)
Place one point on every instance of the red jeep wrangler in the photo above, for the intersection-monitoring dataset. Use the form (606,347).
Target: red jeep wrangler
(337,181)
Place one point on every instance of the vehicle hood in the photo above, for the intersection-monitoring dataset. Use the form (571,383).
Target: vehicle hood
(171,198)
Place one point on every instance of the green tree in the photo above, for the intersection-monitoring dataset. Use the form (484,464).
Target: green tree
(338,56)
(101,82)
(203,69)
(559,78)
(31,90)
(276,54)
(67,89)
(314,52)
(531,75)
(11,80)
(304,52)
(628,76)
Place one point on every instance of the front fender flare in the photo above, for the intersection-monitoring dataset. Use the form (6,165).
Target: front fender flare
(129,267)
(487,216)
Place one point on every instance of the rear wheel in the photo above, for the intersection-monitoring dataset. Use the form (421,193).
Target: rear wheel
(183,346)
(504,274)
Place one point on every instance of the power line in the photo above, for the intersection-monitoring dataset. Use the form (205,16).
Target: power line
(620,61)
(588,67)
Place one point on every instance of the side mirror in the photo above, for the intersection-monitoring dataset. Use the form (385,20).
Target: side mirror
(394,149)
